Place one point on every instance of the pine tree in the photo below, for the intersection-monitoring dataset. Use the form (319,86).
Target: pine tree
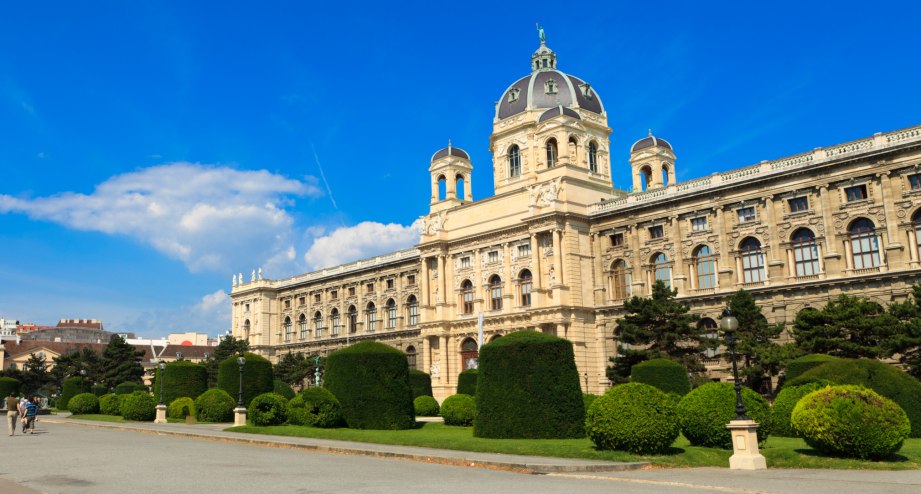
(35,374)
(121,363)
(906,342)
(293,368)
(849,327)
(759,355)
(70,364)
(656,327)
(228,346)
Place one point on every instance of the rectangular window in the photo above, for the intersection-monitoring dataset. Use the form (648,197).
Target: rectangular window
(370,287)
(413,313)
(287,304)
(798,204)
(411,279)
(390,283)
(351,291)
(746,214)
(493,257)
(914,181)
(856,193)
(524,250)
(334,294)
(302,301)
(617,239)
(656,232)
(246,308)
(699,224)
(316,298)
(465,262)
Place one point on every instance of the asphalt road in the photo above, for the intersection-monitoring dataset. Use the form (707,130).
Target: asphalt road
(63,458)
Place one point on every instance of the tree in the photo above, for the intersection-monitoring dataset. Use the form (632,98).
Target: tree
(849,327)
(35,374)
(70,364)
(293,368)
(121,363)
(760,355)
(656,327)
(227,347)
(906,342)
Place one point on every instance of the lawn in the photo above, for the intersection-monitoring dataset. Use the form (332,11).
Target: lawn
(780,452)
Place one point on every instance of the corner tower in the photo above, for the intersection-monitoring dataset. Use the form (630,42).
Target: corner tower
(450,170)
(653,163)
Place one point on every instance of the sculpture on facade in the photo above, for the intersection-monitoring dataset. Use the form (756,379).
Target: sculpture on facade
(234,283)
(259,274)
(252,277)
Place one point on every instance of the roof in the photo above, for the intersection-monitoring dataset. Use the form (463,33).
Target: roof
(648,142)
(450,150)
(553,112)
(532,92)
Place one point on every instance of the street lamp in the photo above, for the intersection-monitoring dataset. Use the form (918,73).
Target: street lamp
(729,324)
(242,361)
(162,366)
(83,380)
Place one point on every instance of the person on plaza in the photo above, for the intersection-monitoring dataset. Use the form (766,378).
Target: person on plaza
(31,412)
(23,404)
(12,411)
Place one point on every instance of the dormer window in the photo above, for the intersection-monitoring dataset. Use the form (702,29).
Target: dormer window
(513,95)
(587,91)
(550,86)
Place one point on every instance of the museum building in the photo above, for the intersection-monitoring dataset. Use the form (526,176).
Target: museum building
(557,249)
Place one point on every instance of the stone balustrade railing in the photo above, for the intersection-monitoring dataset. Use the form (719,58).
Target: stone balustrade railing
(341,269)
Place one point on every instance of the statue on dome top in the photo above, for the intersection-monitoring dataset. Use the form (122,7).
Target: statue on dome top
(540,32)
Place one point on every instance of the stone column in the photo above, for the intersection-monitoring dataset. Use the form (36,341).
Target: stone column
(791,265)
(507,294)
(772,227)
(558,256)
(724,258)
(825,199)
(424,283)
(477,281)
(913,244)
(680,275)
(848,254)
(443,359)
(426,354)
(597,275)
(441,277)
(891,220)
(535,272)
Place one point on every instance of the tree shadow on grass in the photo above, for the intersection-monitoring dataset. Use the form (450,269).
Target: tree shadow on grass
(893,458)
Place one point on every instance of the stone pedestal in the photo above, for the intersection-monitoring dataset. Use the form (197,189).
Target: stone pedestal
(745,446)
(161,414)
(239,416)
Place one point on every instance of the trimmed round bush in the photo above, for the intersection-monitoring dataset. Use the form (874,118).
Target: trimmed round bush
(215,405)
(425,406)
(282,388)
(371,382)
(633,417)
(459,409)
(528,387)
(257,377)
(110,404)
(851,421)
(127,388)
(666,375)
(83,403)
(885,379)
(704,412)
(420,382)
(139,406)
(7,386)
(798,366)
(466,382)
(784,403)
(181,378)
(315,407)
(268,409)
(588,399)
(181,408)
(69,388)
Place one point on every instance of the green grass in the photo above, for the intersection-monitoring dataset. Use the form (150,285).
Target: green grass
(780,452)
(98,417)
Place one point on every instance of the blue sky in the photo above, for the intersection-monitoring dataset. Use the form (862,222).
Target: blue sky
(151,149)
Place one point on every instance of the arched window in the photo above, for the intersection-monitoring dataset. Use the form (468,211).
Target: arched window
(372,317)
(864,244)
(391,314)
(334,315)
(411,357)
(593,157)
(552,153)
(287,326)
(469,354)
(412,309)
(442,188)
(495,292)
(662,271)
(645,177)
(664,175)
(711,337)
(752,260)
(467,297)
(246,330)
(460,187)
(705,265)
(619,289)
(318,324)
(302,326)
(514,162)
(524,281)
(805,252)
(353,319)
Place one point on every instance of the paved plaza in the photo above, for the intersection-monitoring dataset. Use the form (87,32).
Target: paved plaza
(64,457)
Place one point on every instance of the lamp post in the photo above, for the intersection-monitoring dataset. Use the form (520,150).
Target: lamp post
(239,413)
(729,324)
(162,366)
(744,431)
(241,361)
(83,380)
(161,407)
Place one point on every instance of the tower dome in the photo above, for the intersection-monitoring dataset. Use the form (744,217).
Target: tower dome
(648,142)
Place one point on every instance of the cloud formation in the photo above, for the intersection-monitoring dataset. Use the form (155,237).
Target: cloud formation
(211,314)
(209,217)
(366,239)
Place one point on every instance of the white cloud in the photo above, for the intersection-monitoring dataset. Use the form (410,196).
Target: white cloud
(208,217)
(366,239)
(211,314)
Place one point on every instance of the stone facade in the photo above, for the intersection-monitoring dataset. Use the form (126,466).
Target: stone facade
(557,249)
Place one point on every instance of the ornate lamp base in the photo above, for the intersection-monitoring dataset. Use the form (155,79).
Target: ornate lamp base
(239,416)
(161,414)
(745,446)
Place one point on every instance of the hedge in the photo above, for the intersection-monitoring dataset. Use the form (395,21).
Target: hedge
(126,388)
(459,409)
(528,387)
(268,409)
(851,421)
(885,379)
(215,405)
(282,388)
(181,408)
(704,412)
(421,383)
(666,375)
(798,366)
(110,404)
(588,399)
(7,386)
(633,417)
(371,382)
(181,378)
(83,403)
(425,406)
(785,402)
(257,377)
(69,388)
(315,407)
(466,382)
(139,406)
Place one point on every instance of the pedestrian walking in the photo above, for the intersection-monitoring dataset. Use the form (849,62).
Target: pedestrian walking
(31,412)
(12,411)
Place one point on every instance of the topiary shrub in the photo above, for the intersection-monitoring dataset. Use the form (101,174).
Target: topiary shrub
(784,403)
(99,390)
(181,408)
(83,403)
(634,417)
(282,388)
(588,399)
(798,366)
(664,374)
(139,406)
(127,388)
(215,405)
(7,386)
(466,382)
(257,377)
(425,406)
(528,387)
(704,412)
(268,409)
(420,382)
(851,421)
(69,388)
(110,404)
(885,379)
(182,378)
(315,407)
(371,382)
(459,409)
